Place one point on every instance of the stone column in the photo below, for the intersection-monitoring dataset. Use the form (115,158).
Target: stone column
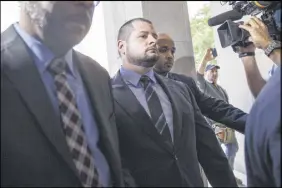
(170,17)
(117,13)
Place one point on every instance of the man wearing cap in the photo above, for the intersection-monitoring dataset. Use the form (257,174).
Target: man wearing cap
(207,81)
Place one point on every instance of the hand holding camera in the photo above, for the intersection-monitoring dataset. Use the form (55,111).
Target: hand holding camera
(209,55)
(265,33)
(258,31)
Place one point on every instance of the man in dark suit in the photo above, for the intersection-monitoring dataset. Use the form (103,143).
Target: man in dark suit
(215,109)
(162,132)
(57,122)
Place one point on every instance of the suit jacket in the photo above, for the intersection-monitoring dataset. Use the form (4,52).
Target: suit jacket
(34,151)
(154,163)
(215,109)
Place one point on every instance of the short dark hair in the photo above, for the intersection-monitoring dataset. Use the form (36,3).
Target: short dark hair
(126,29)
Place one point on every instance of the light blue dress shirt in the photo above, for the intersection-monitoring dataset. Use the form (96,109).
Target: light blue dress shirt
(42,56)
(132,79)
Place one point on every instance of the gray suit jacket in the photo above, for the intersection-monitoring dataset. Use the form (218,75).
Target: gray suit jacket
(33,147)
(151,161)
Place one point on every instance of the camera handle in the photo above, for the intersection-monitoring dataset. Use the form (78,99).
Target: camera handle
(240,44)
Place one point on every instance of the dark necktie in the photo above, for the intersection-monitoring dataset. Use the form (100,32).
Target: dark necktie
(72,126)
(157,115)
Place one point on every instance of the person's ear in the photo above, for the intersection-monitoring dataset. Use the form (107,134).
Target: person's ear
(121,47)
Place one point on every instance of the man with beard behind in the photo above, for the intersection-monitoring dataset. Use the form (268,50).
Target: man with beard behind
(162,132)
(216,109)
(57,122)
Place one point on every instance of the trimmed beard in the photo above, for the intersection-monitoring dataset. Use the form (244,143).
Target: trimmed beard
(145,61)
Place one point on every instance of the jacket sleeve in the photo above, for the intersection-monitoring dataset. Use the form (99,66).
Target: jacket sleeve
(210,154)
(216,109)
(201,82)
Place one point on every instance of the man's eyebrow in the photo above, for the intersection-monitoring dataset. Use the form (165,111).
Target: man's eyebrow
(165,46)
(155,35)
(143,32)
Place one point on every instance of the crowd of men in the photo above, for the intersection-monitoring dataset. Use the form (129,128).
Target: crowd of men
(65,122)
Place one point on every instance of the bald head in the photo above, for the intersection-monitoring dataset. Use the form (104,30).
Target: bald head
(166,49)
(164,36)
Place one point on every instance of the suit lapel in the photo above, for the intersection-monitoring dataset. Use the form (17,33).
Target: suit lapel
(97,86)
(24,75)
(128,102)
(98,92)
(98,89)
(170,90)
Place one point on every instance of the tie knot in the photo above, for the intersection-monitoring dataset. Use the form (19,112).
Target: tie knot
(57,66)
(145,80)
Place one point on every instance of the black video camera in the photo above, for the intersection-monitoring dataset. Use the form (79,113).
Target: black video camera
(229,32)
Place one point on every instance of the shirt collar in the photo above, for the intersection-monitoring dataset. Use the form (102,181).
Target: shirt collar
(42,52)
(272,70)
(134,77)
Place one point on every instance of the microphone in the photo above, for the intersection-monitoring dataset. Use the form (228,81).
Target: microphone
(229,15)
